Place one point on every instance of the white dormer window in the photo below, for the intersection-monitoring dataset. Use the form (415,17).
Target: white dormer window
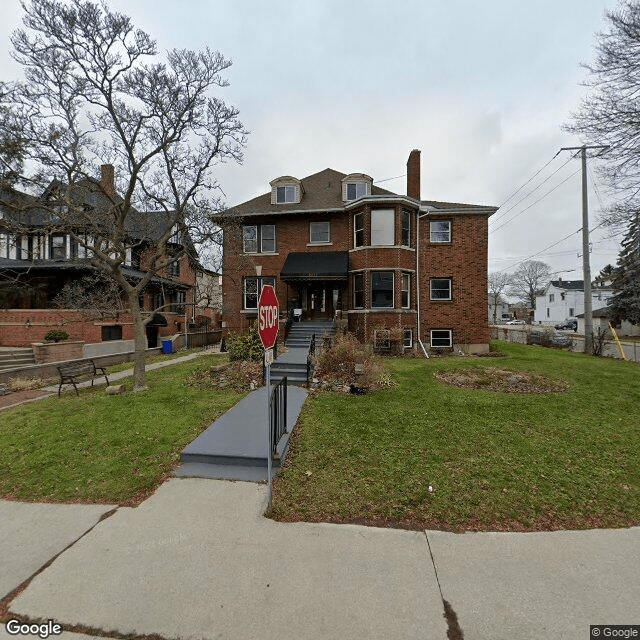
(286,190)
(355,186)
(356,190)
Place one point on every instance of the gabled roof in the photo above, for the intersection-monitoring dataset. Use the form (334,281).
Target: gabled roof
(569,285)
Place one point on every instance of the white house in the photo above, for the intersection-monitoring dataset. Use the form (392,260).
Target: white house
(564,299)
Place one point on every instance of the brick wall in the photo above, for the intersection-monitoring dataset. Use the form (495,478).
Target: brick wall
(464,260)
(23,327)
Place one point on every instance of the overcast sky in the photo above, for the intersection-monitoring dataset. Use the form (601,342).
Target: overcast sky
(481,88)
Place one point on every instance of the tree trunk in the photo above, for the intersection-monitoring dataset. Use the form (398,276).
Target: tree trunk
(140,345)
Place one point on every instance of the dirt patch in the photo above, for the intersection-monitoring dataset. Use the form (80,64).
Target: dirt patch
(501,380)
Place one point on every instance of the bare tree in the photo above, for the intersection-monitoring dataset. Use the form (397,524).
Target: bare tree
(529,281)
(97,93)
(610,113)
(498,282)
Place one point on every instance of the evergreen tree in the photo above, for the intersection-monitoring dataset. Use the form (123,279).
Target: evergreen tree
(625,304)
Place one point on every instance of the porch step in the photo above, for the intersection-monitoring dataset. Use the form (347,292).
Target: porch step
(15,358)
(300,333)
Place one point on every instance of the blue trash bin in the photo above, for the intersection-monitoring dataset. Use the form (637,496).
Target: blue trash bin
(167,346)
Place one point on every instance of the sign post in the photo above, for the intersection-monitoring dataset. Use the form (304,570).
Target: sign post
(268,331)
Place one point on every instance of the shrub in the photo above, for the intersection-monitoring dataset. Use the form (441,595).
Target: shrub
(350,362)
(245,346)
(56,336)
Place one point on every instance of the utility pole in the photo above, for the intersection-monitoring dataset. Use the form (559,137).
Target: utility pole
(586,264)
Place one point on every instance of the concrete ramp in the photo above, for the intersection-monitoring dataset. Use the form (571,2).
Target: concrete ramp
(234,447)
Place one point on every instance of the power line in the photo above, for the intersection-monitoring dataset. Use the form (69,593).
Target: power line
(543,250)
(512,207)
(528,181)
(504,224)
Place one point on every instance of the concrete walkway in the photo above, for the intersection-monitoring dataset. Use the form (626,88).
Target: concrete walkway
(197,560)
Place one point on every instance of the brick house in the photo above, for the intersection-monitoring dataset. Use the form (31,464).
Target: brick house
(37,260)
(337,245)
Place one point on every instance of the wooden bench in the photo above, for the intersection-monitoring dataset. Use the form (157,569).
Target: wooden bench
(72,372)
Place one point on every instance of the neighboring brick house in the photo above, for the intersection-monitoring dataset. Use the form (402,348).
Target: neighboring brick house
(37,261)
(334,244)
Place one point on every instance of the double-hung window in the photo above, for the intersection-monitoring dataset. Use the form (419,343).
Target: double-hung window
(382,227)
(252,288)
(439,231)
(285,194)
(358,230)
(381,289)
(440,289)
(356,190)
(319,232)
(406,287)
(259,238)
(58,247)
(406,229)
(441,338)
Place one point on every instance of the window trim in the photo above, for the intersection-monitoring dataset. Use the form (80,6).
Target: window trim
(431,290)
(440,346)
(407,332)
(328,232)
(393,285)
(432,232)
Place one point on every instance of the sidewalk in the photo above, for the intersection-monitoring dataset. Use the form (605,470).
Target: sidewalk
(197,560)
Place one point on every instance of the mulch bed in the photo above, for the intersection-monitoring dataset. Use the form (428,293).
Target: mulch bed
(490,379)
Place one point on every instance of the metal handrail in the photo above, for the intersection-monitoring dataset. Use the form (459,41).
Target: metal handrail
(278,414)
(310,353)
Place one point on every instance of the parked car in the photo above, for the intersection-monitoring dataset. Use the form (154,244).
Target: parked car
(549,338)
(569,323)
(516,322)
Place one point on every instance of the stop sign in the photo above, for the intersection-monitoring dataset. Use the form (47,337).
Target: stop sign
(268,316)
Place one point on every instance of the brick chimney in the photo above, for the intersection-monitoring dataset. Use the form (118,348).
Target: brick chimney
(107,180)
(413,174)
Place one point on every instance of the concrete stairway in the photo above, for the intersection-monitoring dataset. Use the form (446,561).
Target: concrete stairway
(293,363)
(14,358)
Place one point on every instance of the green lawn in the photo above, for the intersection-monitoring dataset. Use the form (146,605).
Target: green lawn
(495,461)
(100,448)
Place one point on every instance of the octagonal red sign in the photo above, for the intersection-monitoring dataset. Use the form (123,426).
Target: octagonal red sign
(268,316)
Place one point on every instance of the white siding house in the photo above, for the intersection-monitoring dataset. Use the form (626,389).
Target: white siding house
(564,299)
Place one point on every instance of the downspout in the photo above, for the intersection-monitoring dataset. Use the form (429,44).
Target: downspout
(427,211)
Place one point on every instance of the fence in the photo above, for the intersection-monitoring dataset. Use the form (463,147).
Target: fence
(197,339)
(520,335)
